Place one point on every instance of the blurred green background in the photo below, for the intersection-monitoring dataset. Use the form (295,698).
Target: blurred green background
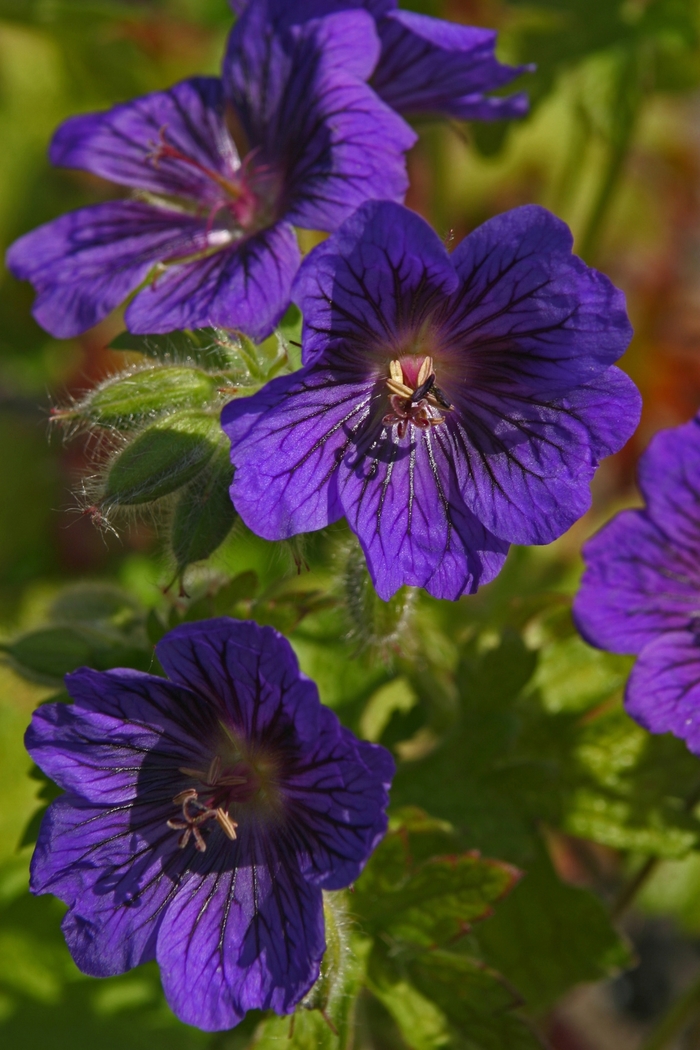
(612,145)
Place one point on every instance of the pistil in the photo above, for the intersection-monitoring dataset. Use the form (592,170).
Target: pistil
(163,149)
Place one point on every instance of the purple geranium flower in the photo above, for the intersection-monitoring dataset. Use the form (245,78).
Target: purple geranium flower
(449,405)
(203,816)
(208,237)
(427,66)
(640,592)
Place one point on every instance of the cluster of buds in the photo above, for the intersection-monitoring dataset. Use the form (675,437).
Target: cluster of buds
(159,444)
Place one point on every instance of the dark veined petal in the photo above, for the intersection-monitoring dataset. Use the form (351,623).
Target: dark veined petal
(285,13)
(86,263)
(246,286)
(609,407)
(239,940)
(311,117)
(141,698)
(250,673)
(531,316)
(376,280)
(286,443)
(669,477)
(525,464)
(336,800)
(663,693)
(116,869)
(524,468)
(69,745)
(428,65)
(402,499)
(125,143)
(637,584)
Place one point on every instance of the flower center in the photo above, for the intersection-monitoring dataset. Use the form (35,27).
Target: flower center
(248,199)
(417,401)
(210,800)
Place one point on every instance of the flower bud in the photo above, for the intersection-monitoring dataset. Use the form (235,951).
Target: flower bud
(212,349)
(204,514)
(375,623)
(128,401)
(165,456)
(329,985)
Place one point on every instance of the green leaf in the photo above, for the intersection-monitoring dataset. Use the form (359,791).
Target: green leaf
(126,402)
(440,998)
(429,903)
(476,1001)
(204,514)
(422,1025)
(161,459)
(88,603)
(572,676)
(50,652)
(46,1002)
(548,936)
(461,781)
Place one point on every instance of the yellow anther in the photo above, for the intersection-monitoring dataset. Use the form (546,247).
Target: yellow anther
(227,825)
(426,369)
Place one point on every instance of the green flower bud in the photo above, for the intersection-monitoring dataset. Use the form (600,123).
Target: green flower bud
(329,985)
(210,348)
(204,514)
(375,623)
(126,402)
(161,459)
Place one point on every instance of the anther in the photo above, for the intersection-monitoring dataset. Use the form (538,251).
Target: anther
(227,825)
(420,392)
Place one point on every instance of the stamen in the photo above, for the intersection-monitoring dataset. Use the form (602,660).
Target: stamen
(426,369)
(198,811)
(420,392)
(416,405)
(227,825)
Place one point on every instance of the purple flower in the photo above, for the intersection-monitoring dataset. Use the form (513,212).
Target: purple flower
(203,816)
(208,239)
(449,405)
(427,66)
(640,592)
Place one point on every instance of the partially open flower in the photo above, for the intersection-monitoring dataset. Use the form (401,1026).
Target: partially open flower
(203,816)
(208,237)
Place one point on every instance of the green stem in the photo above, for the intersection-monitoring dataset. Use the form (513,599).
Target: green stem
(626,106)
(676,1019)
(631,889)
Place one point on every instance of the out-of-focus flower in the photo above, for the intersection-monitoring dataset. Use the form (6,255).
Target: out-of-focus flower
(448,405)
(207,239)
(640,592)
(427,66)
(203,816)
